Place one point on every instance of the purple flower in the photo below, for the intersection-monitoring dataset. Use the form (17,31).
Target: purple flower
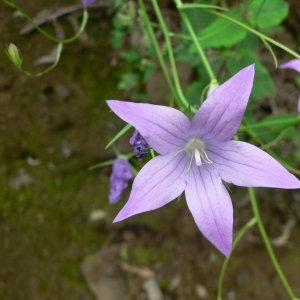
(295,65)
(139,145)
(121,174)
(87,2)
(196,155)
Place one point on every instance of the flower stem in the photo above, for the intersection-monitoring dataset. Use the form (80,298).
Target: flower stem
(57,58)
(85,17)
(262,36)
(183,101)
(237,238)
(268,245)
(195,40)
(157,48)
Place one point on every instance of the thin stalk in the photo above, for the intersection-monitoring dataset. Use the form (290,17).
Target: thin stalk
(157,49)
(85,17)
(57,58)
(292,122)
(262,36)
(268,244)
(196,42)
(161,21)
(237,238)
(198,5)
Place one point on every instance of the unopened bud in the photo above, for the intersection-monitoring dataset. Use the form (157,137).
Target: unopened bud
(14,55)
(213,86)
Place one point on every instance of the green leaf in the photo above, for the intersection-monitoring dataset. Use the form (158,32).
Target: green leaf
(117,38)
(221,32)
(297,79)
(128,80)
(263,85)
(102,164)
(193,93)
(291,134)
(267,13)
(132,55)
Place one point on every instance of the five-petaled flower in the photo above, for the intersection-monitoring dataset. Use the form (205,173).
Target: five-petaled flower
(194,156)
(295,65)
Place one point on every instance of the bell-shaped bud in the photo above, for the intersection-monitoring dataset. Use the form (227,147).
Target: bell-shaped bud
(212,87)
(14,55)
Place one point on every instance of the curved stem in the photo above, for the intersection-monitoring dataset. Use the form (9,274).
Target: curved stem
(195,40)
(237,238)
(268,244)
(157,48)
(51,37)
(262,36)
(170,53)
(58,53)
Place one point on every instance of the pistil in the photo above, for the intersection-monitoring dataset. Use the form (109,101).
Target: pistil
(196,150)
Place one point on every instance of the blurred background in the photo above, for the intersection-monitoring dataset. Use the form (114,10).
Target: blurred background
(57,240)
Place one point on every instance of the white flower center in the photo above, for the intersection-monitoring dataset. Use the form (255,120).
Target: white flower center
(195,149)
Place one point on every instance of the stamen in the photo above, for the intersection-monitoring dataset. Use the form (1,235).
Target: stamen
(190,164)
(205,157)
(179,151)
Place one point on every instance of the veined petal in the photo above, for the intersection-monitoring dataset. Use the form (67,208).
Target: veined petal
(211,207)
(221,113)
(292,64)
(246,165)
(163,127)
(160,181)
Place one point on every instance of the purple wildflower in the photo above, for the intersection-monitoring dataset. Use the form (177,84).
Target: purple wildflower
(196,155)
(295,65)
(87,2)
(139,145)
(121,174)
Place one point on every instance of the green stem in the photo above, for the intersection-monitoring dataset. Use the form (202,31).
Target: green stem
(291,122)
(198,5)
(65,41)
(170,53)
(157,49)
(262,36)
(195,40)
(268,245)
(59,49)
(237,238)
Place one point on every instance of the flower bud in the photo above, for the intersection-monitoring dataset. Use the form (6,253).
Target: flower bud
(212,87)
(14,55)
(121,174)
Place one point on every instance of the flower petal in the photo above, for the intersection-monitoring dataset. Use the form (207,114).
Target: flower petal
(164,128)
(160,181)
(211,207)
(221,114)
(246,165)
(292,64)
